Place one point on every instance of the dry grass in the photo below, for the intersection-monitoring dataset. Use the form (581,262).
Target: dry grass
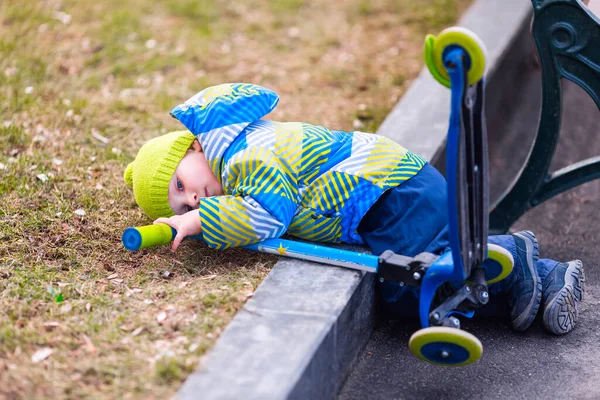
(75,71)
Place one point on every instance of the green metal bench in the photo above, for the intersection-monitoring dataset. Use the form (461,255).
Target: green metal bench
(567,36)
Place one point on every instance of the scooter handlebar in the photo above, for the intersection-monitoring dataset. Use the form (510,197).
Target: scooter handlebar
(136,238)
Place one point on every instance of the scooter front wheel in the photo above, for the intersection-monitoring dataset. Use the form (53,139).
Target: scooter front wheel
(445,346)
(503,266)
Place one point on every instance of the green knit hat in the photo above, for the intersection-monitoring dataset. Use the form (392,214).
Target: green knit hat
(150,173)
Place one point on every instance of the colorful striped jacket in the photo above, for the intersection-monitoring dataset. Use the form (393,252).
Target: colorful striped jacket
(310,181)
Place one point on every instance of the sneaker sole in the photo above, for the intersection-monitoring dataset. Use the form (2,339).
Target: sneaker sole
(561,312)
(524,321)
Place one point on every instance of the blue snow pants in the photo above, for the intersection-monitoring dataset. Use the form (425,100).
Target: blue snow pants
(413,218)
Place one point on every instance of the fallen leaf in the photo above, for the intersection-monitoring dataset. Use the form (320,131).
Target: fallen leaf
(89,346)
(109,267)
(42,177)
(137,331)
(80,211)
(98,136)
(76,376)
(112,276)
(66,308)
(208,277)
(62,17)
(128,328)
(51,325)
(88,307)
(166,274)
(161,316)
(133,291)
(180,340)
(131,92)
(41,355)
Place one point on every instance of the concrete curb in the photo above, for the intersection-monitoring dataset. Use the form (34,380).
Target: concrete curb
(300,334)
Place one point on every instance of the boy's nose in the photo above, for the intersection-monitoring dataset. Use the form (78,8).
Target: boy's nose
(193,199)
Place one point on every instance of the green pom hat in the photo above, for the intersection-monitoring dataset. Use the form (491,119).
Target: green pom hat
(150,173)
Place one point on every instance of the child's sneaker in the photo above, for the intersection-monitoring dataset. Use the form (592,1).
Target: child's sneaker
(563,290)
(525,290)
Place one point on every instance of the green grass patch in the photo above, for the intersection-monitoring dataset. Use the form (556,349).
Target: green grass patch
(435,15)
(83,84)
(13,137)
(171,370)
(286,6)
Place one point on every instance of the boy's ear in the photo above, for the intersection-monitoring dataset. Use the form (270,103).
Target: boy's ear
(196,146)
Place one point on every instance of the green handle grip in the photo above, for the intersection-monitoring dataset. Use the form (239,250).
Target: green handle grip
(147,236)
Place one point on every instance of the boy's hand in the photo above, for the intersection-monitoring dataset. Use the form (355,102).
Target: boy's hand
(186,225)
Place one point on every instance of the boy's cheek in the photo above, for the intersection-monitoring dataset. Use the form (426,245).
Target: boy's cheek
(173,202)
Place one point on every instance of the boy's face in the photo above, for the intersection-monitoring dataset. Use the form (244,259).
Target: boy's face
(192,180)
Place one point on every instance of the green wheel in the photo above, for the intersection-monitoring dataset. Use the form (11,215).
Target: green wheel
(445,346)
(495,272)
(455,36)
(504,259)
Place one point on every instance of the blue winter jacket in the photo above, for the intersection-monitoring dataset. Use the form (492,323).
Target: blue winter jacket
(310,181)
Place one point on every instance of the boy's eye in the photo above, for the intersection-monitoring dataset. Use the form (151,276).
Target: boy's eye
(179,185)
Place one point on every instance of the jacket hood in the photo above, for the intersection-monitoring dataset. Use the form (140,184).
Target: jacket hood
(218,114)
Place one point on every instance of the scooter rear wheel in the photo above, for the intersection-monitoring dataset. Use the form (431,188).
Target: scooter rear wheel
(455,37)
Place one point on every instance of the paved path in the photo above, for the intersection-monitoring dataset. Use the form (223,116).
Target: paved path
(531,365)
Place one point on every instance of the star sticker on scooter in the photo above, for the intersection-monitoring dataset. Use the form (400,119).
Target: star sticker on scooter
(282,250)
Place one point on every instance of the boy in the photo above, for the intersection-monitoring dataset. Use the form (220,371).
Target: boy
(237,179)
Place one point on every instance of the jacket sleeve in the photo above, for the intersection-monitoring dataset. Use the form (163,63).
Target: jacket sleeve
(261,206)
